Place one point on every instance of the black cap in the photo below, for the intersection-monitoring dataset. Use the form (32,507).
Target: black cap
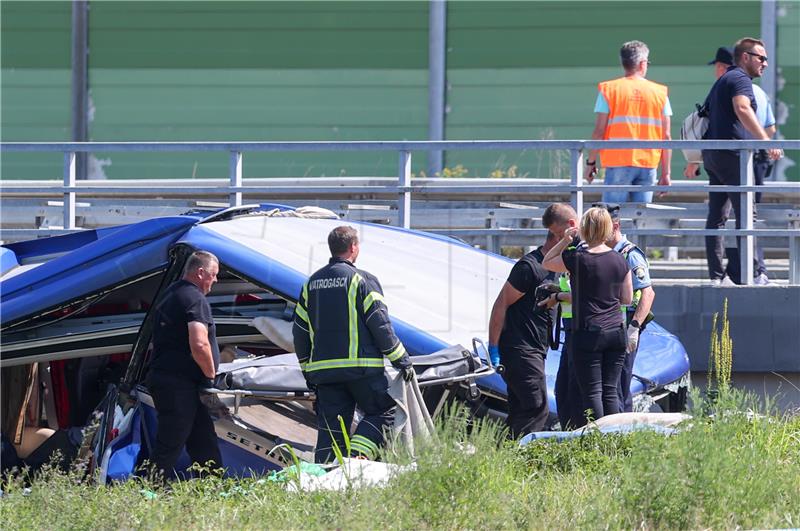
(612,208)
(724,55)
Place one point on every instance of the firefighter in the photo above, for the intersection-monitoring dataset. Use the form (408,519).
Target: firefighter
(341,333)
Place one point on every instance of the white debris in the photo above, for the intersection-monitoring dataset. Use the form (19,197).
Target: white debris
(353,474)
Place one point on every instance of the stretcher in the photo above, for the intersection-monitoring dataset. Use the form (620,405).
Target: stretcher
(263,411)
(280,378)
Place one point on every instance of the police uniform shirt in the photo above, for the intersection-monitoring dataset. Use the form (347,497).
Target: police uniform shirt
(526,324)
(763,107)
(182,303)
(640,269)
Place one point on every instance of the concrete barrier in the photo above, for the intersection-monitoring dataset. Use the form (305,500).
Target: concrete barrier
(764,327)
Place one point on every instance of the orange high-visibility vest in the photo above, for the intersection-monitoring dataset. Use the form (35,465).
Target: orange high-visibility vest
(636,112)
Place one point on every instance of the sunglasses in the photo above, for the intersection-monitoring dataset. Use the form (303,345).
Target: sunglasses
(762,58)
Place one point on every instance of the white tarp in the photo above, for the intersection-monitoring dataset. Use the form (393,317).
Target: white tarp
(411,418)
(278,331)
(667,420)
(353,474)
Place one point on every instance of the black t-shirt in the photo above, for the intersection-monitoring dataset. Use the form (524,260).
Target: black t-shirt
(595,280)
(723,124)
(182,303)
(525,326)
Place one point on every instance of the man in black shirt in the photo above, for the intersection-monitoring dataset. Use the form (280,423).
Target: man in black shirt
(557,218)
(185,359)
(518,328)
(731,109)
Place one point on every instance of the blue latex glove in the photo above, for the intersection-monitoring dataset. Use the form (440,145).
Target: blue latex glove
(494,355)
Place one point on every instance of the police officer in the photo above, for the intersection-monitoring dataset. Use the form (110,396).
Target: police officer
(567,392)
(637,314)
(341,333)
(185,359)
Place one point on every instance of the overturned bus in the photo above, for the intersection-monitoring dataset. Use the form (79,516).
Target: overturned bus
(76,331)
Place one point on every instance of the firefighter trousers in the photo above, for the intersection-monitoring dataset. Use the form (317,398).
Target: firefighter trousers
(371,396)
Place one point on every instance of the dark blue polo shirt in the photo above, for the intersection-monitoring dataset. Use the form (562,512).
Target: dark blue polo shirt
(723,124)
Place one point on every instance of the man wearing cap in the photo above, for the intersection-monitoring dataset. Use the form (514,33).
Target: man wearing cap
(732,114)
(762,165)
(631,108)
(637,314)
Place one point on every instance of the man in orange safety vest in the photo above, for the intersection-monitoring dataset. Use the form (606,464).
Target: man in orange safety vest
(631,108)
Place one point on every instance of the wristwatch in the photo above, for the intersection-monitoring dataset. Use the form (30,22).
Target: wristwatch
(591,163)
(635,323)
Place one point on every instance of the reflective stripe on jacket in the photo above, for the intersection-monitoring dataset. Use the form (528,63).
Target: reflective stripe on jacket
(566,307)
(636,112)
(341,326)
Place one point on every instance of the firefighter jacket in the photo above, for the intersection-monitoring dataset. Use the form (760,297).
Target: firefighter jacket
(341,326)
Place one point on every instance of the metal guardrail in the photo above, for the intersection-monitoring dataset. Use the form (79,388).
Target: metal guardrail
(404,187)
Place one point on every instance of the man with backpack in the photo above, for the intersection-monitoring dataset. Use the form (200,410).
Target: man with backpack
(762,164)
(732,115)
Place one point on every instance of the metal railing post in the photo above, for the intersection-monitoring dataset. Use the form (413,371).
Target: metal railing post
(404,199)
(80,82)
(437,53)
(746,210)
(794,260)
(69,196)
(235,197)
(576,179)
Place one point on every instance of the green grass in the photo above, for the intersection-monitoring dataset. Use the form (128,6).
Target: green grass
(729,468)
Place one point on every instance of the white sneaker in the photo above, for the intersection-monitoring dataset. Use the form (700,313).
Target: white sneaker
(723,282)
(761,280)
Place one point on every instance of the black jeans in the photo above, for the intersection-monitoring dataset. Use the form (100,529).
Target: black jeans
(182,421)
(527,390)
(568,396)
(371,395)
(598,358)
(723,170)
